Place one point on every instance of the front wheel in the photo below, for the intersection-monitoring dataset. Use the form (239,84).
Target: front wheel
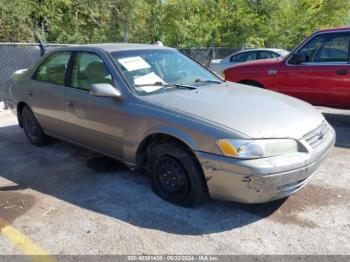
(176,175)
(32,128)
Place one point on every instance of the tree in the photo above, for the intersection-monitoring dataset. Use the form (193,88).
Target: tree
(292,20)
(85,21)
(178,23)
(16,23)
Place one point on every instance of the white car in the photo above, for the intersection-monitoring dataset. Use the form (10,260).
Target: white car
(219,65)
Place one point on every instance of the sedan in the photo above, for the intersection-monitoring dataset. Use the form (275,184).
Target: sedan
(153,107)
(219,65)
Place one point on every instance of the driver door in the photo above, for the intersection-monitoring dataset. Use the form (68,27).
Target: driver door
(324,77)
(95,122)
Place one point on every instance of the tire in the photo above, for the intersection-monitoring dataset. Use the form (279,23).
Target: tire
(176,176)
(32,128)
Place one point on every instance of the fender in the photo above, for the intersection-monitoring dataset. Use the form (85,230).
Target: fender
(130,150)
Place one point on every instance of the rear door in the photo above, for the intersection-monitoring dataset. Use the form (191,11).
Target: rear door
(47,90)
(324,78)
(95,122)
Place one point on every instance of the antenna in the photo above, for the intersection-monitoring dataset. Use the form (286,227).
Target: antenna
(41,44)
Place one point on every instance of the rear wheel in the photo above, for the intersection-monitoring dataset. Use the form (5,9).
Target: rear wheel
(176,175)
(32,128)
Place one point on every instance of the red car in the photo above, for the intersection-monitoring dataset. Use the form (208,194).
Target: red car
(317,71)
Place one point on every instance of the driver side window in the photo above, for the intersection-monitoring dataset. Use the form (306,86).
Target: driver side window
(327,48)
(89,69)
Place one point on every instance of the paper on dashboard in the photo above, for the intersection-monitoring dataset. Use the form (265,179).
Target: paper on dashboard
(149,79)
(134,63)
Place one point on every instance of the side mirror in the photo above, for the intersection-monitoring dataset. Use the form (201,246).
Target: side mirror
(298,58)
(105,90)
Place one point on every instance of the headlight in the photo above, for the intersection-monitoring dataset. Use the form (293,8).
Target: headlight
(250,149)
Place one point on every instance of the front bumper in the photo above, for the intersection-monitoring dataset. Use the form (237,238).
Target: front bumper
(261,180)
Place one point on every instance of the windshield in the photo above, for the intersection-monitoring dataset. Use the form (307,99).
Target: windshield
(154,70)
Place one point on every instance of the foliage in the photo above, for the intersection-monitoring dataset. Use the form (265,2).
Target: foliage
(178,23)
(16,23)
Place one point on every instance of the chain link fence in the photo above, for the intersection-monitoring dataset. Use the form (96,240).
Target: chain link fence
(15,56)
(204,55)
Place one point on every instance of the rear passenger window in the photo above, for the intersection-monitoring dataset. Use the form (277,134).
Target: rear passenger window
(89,69)
(244,57)
(53,69)
(267,55)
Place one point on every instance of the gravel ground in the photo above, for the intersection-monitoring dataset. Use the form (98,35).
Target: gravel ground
(68,200)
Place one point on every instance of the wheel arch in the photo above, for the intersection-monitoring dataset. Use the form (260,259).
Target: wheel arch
(158,137)
(251,83)
(20,107)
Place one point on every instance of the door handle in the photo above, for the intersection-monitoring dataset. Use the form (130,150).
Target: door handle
(342,72)
(68,103)
(30,93)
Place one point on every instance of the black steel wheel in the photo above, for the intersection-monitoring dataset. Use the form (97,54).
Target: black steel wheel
(32,128)
(171,178)
(176,175)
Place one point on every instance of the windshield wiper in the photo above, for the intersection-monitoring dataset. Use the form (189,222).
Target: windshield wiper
(182,86)
(207,81)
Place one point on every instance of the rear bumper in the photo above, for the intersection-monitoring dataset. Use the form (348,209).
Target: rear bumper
(260,180)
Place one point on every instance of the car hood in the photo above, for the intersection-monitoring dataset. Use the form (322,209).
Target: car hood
(255,112)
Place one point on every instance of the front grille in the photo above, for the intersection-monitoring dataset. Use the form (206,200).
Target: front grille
(317,136)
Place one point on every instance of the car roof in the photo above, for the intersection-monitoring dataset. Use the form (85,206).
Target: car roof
(113,47)
(346,28)
(262,49)
(275,50)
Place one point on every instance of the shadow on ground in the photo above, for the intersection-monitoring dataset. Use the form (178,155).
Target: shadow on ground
(94,182)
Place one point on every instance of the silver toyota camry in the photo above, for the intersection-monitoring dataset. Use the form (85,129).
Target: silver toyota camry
(153,107)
